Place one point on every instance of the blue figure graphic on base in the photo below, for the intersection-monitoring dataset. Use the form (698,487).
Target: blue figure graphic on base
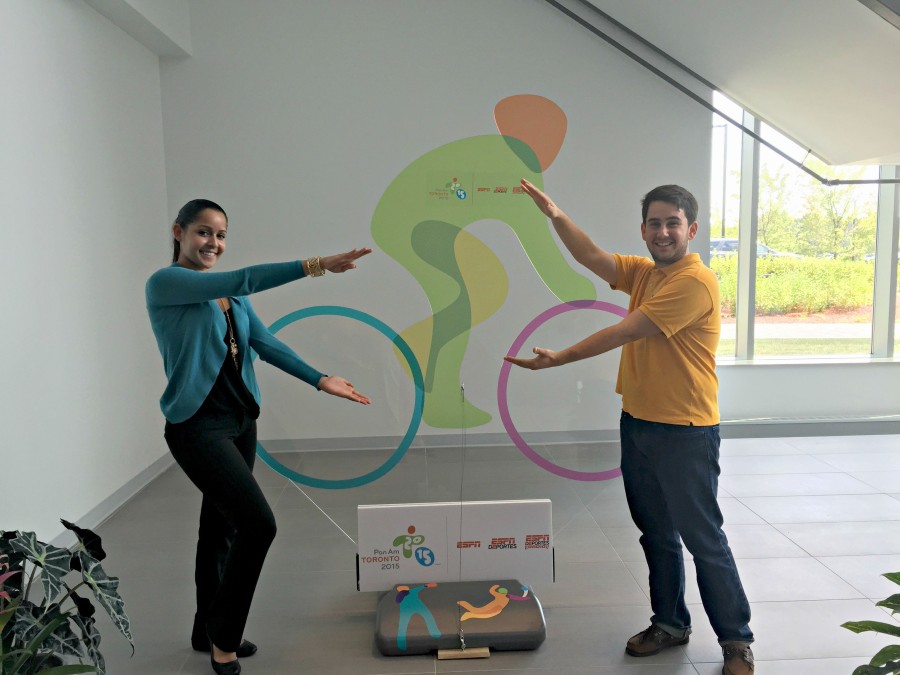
(410,606)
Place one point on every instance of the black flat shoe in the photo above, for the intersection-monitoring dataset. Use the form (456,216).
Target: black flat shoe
(230,668)
(246,649)
(200,640)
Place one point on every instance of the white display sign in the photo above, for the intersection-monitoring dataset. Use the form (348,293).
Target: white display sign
(454,541)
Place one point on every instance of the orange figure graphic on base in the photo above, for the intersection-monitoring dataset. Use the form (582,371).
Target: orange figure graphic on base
(494,607)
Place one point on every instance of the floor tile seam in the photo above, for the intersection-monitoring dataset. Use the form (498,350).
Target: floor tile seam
(779,472)
(280,493)
(774,522)
(794,541)
(837,463)
(882,521)
(773,603)
(851,584)
(590,515)
(862,555)
(828,494)
(875,492)
(615,550)
(849,449)
(562,528)
(751,510)
(827,569)
(806,473)
(637,581)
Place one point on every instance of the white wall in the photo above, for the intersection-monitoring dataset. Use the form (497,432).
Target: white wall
(297,118)
(82,198)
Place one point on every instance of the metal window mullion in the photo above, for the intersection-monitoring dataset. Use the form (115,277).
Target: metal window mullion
(886,238)
(747,228)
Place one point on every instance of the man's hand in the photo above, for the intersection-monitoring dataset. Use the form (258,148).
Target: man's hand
(338,386)
(546,358)
(547,206)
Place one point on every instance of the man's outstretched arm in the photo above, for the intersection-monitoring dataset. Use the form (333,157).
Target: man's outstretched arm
(580,245)
(633,327)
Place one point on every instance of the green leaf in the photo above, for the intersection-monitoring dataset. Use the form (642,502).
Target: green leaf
(892,603)
(865,670)
(56,562)
(70,670)
(7,613)
(31,621)
(105,590)
(35,644)
(83,605)
(88,539)
(893,576)
(90,637)
(874,626)
(890,654)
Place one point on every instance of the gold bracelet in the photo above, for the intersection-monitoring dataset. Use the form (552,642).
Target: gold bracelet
(315,267)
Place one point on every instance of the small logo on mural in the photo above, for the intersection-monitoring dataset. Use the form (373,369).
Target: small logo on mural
(503,543)
(468,544)
(457,188)
(454,190)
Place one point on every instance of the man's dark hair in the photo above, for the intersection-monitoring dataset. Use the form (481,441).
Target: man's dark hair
(672,194)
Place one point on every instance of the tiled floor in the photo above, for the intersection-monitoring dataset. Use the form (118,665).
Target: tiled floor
(813,523)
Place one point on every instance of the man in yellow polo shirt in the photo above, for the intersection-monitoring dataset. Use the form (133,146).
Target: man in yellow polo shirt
(670,416)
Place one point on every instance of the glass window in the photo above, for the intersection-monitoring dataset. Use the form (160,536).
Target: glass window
(815,249)
(814,285)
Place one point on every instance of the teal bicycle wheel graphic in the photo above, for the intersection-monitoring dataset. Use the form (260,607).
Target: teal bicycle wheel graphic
(414,422)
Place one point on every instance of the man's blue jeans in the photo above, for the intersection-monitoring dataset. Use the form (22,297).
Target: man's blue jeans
(671,476)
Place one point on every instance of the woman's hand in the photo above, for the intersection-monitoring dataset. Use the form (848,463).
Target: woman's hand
(338,386)
(343,261)
(546,358)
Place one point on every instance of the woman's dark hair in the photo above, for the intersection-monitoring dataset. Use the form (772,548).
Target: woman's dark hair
(188,214)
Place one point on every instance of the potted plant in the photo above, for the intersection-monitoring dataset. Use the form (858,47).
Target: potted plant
(887,660)
(56,635)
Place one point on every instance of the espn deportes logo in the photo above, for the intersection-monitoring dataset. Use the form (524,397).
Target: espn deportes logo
(503,542)
(537,541)
(468,544)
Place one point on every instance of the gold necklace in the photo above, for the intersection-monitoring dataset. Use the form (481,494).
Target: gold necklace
(233,348)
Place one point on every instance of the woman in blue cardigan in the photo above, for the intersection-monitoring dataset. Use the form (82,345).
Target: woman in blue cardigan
(205,327)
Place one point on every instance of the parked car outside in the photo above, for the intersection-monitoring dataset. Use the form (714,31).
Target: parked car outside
(724,246)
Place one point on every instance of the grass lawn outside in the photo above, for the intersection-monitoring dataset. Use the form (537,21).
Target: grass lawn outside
(803,347)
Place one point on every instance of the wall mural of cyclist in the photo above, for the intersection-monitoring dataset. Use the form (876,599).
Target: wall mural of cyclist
(420,221)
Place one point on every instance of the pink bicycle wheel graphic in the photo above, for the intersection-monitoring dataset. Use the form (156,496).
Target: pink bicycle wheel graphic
(503,383)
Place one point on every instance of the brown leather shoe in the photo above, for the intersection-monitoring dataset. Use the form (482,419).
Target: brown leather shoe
(652,641)
(738,659)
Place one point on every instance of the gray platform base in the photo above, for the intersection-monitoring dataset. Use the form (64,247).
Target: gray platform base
(419,618)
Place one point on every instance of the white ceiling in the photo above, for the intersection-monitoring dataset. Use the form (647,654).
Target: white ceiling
(826,73)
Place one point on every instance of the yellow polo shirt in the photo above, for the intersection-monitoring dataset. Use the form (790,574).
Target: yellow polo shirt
(671,377)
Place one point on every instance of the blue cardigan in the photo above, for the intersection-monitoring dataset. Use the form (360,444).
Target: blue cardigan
(189,327)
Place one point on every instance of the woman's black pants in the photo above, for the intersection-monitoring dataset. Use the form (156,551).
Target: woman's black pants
(236,524)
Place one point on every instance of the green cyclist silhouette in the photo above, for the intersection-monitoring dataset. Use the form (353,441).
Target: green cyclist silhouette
(420,221)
